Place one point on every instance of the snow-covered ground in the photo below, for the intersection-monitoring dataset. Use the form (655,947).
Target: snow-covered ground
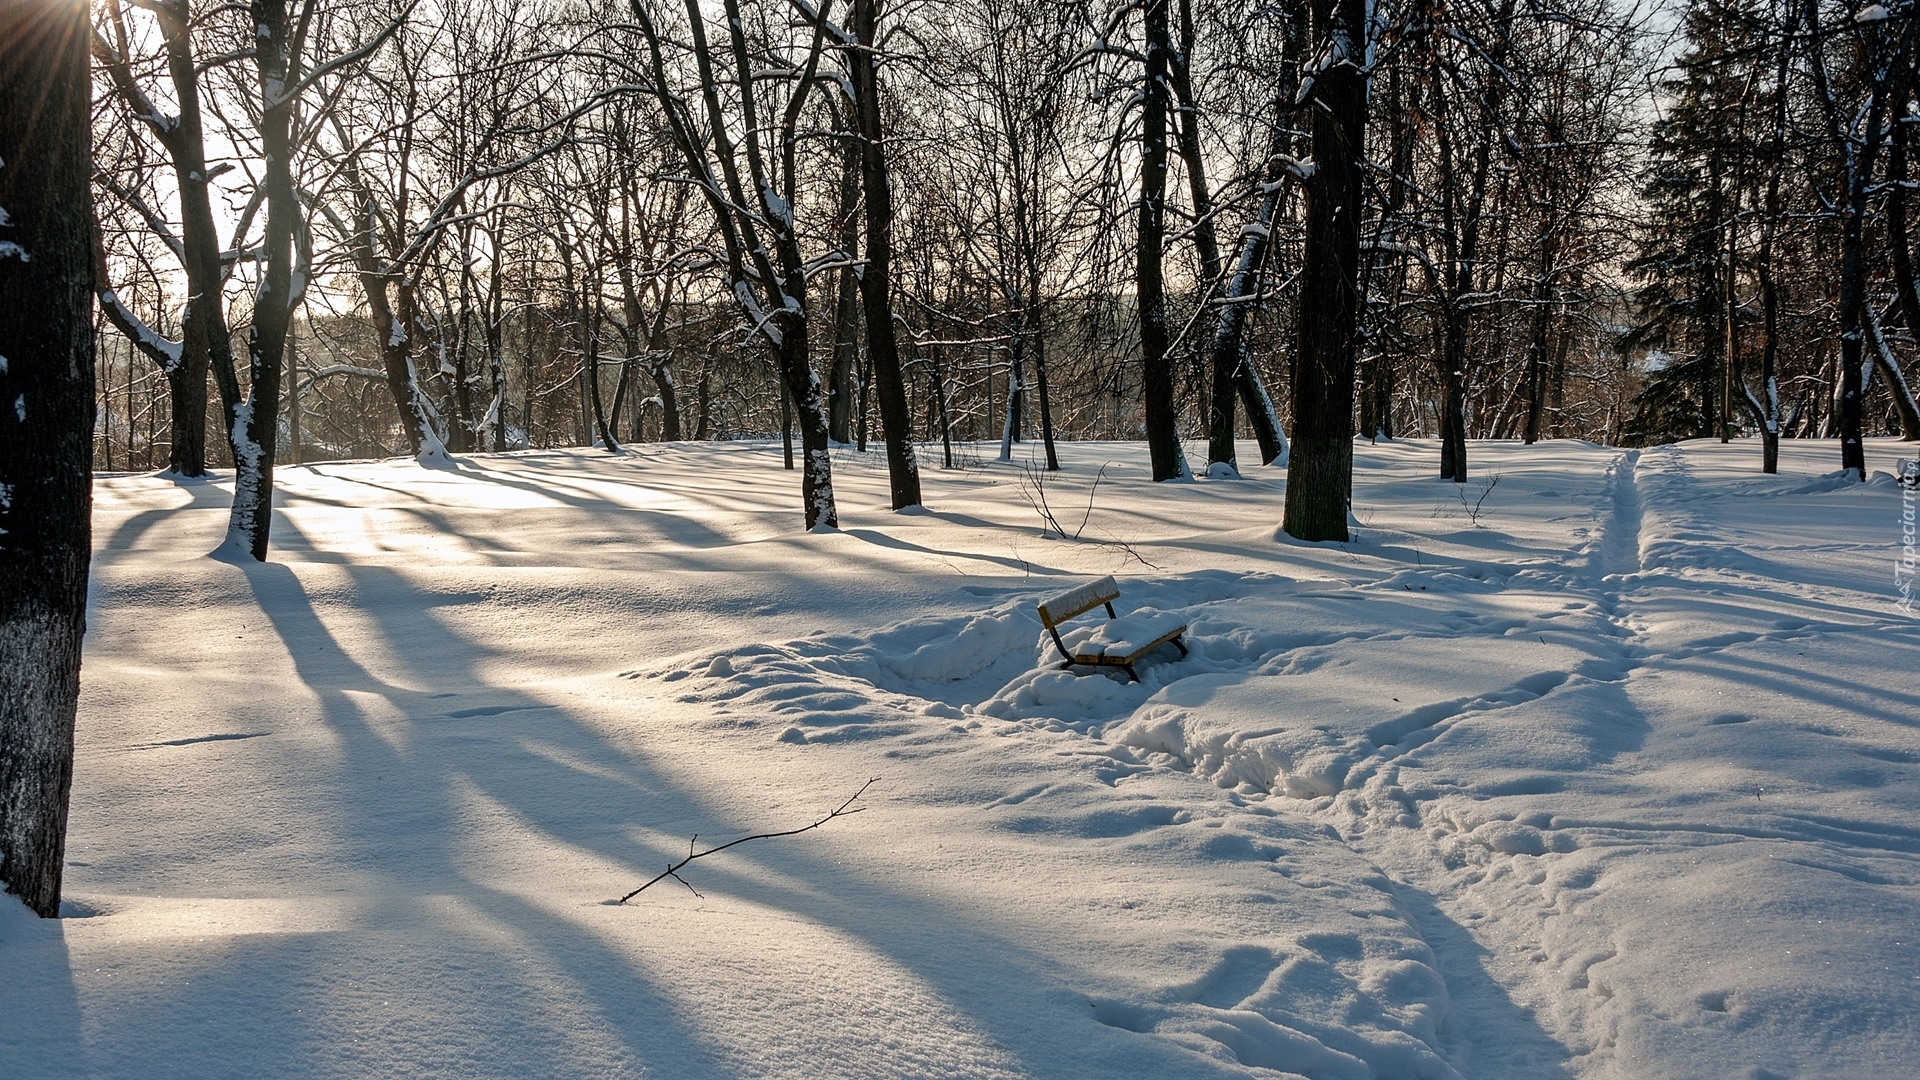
(1618,780)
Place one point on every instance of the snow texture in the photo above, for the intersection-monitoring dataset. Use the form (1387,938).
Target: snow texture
(1619,783)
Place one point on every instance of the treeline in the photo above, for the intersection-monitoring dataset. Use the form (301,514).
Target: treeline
(539,224)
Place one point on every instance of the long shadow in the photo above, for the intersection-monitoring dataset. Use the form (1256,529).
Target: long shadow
(201,496)
(683,534)
(1005,992)
(973,966)
(396,808)
(686,530)
(1488,1035)
(1787,683)
(39,1008)
(399,818)
(880,539)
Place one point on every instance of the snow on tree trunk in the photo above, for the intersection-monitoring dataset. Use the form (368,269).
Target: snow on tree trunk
(256,423)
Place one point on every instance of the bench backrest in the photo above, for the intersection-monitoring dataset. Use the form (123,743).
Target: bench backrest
(1067,605)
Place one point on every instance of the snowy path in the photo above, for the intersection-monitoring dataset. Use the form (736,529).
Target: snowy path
(1616,783)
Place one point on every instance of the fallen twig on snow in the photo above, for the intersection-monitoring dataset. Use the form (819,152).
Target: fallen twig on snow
(674,870)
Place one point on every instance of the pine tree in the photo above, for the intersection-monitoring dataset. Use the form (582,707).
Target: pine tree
(1687,194)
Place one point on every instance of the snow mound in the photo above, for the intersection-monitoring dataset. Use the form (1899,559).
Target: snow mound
(1302,735)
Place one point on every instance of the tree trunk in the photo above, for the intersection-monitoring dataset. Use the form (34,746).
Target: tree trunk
(702,402)
(394,331)
(876,280)
(846,324)
(590,370)
(1232,368)
(786,416)
(1163,437)
(187,419)
(1034,315)
(257,428)
(496,419)
(663,385)
(1225,363)
(463,434)
(1730,319)
(1537,342)
(865,372)
(1320,476)
(293,396)
(1853,272)
(46,429)
(816,467)
(1453,408)
(1767,414)
(1016,393)
(846,308)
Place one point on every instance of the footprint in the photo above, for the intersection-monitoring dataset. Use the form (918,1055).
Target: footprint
(1122,1015)
(1233,978)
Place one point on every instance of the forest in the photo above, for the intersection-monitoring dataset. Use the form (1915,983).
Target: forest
(528,225)
(933,540)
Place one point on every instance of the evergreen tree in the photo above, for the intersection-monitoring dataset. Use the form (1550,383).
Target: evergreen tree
(1689,200)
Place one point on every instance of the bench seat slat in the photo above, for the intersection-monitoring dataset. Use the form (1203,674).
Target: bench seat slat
(1126,639)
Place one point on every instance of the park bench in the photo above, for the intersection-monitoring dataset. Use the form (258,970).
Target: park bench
(1118,643)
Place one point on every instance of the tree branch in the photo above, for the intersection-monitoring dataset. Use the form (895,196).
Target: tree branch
(674,870)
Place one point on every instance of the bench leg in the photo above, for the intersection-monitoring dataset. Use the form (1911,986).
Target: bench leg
(1132,675)
(1178,645)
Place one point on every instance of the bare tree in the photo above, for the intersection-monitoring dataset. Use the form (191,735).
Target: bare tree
(279,41)
(1321,474)
(206,342)
(862,57)
(1858,129)
(1163,439)
(765,272)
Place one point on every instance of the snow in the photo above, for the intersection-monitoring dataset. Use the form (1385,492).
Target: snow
(1123,636)
(1618,782)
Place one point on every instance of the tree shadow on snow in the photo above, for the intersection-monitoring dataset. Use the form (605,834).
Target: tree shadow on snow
(401,816)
